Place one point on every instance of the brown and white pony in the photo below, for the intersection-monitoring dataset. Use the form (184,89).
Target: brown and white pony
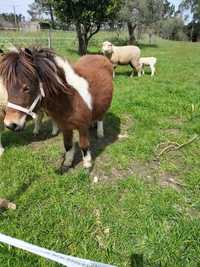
(74,97)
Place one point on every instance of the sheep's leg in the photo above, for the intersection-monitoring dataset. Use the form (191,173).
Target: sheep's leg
(100,131)
(1,147)
(85,147)
(143,71)
(55,129)
(132,72)
(138,68)
(38,122)
(114,67)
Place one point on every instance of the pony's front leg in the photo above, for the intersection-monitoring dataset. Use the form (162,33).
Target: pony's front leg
(1,147)
(85,147)
(69,150)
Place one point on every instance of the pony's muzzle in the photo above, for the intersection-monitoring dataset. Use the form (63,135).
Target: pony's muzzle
(15,121)
(14,127)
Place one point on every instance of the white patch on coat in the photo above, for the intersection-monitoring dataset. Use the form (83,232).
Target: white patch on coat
(87,160)
(69,156)
(100,131)
(77,82)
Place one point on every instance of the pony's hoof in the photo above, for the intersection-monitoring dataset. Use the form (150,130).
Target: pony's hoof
(64,169)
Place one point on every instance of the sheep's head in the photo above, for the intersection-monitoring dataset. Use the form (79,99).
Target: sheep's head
(107,48)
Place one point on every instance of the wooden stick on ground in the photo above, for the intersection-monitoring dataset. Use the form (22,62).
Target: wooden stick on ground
(176,146)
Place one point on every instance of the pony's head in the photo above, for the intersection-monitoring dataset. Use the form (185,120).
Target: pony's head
(21,81)
(25,73)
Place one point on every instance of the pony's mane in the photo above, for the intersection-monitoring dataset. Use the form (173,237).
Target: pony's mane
(34,63)
(14,65)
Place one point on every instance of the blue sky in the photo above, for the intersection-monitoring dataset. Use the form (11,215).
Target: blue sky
(21,6)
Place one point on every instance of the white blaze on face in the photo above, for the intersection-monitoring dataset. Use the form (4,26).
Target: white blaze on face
(77,82)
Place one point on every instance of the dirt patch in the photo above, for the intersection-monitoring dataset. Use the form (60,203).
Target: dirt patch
(103,170)
(147,171)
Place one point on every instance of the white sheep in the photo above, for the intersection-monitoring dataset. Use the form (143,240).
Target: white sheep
(122,55)
(3,104)
(148,61)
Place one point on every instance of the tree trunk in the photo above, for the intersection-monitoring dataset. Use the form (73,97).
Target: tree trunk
(150,38)
(131,30)
(51,16)
(82,39)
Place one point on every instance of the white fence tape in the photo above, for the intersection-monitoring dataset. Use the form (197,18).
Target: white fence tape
(49,254)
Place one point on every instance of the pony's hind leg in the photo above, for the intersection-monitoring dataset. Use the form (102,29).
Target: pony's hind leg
(69,150)
(100,130)
(38,122)
(85,147)
(55,129)
(1,147)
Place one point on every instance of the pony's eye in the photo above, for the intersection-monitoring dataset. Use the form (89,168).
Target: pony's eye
(25,88)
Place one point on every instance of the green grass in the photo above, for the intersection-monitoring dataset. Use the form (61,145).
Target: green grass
(128,217)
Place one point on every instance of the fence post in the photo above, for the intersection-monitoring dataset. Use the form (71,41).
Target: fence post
(49,38)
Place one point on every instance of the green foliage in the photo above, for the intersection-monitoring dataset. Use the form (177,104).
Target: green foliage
(126,216)
(173,29)
(193,6)
(86,11)
(87,16)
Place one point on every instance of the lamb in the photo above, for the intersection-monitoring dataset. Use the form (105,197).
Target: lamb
(123,55)
(148,61)
(3,104)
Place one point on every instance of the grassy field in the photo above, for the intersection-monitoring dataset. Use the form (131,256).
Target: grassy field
(144,210)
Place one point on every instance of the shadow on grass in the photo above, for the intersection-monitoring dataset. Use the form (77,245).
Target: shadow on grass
(111,132)
(26,137)
(137,260)
(143,45)
(111,129)
(124,73)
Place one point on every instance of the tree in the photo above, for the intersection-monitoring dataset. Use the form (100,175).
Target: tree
(47,8)
(35,11)
(87,16)
(10,19)
(144,12)
(40,7)
(173,28)
(132,14)
(193,6)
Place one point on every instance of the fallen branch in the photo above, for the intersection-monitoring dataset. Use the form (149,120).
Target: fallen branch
(175,146)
